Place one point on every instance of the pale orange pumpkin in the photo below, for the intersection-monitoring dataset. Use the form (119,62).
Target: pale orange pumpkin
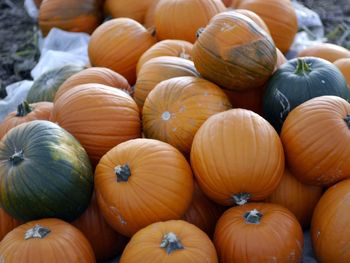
(343,65)
(327,51)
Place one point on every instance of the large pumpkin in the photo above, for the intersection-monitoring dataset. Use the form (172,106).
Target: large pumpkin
(118,44)
(297,81)
(7,223)
(46,240)
(235,53)
(99,116)
(327,51)
(169,242)
(176,108)
(44,172)
(258,232)
(237,156)
(68,15)
(315,137)
(343,65)
(179,19)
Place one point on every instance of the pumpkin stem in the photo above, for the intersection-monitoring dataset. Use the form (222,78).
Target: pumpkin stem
(123,172)
(37,231)
(253,217)
(199,31)
(302,67)
(17,157)
(171,243)
(23,109)
(241,198)
(347,120)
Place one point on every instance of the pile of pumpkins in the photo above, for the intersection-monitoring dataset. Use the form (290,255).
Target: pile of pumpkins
(189,138)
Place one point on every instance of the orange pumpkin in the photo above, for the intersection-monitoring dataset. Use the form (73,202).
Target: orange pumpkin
(169,47)
(234,52)
(140,182)
(68,15)
(118,44)
(158,69)
(149,18)
(178,19)
(253,16)
(258,232)
(327,51)
(297,197)
(98,75)
(281,59)
(46,240)
(343,65)
(237,156)
(172,241)
(25,113)
(98,116)
(176,108)
(7,223)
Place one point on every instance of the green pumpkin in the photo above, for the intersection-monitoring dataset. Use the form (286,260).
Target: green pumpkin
(297,81)
(45,87)
(44,172)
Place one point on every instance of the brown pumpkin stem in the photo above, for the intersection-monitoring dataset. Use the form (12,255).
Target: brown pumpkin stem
(347,120)
(17,157)
(37,231)
(253,217)
(241,198)
(302,67)
(123,172)
(171,243)
(23,109)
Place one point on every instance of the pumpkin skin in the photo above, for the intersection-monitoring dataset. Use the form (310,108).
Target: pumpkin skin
(327,51)
(258,232)
(297,81)
(298,198)
(343,65)
(226,52)
(281,59)
(50,169)
(176,108)
(315,136)
(279,16)
(170,242)
(237,156)
(45,87)
(174,19)
(168,47)
(253,16)
(83,16)
(118,44)
(329,227)
(151,175)
(64,243)
(26,112)
(7,223)
(99,116)
(98,75)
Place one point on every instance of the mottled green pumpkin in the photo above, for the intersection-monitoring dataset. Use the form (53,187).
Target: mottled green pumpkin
(44,172)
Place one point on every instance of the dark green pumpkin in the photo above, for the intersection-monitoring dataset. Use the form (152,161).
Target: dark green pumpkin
(44,172)
(45,87)
(297,81)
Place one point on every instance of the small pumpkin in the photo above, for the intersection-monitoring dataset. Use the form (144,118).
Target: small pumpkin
(140,182)
(258,232)
(237,156)
(235,53)
(46,240)
(327,51)
(170,241)
(7,223)
(253,16)
(26,112)
(343,65)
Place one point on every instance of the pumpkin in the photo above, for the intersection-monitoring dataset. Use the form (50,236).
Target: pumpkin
(297,197)
(315,139)
(169,47)
(26,112)
(99,116)
(175,19)
(140,182)
(258,232)
(279,16)
(237,156)
(45,86)
(7,223)
(257,19)
(329,227)
(176,108)
(232,3)
(158,69)
(149,17)
(281,59)
(98,75)
(235,53)
(327,51)
(44,172)
(343,65)
(74,16)
(118,44)
(297,81)
(46,240)
(105,242)
(170,241)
